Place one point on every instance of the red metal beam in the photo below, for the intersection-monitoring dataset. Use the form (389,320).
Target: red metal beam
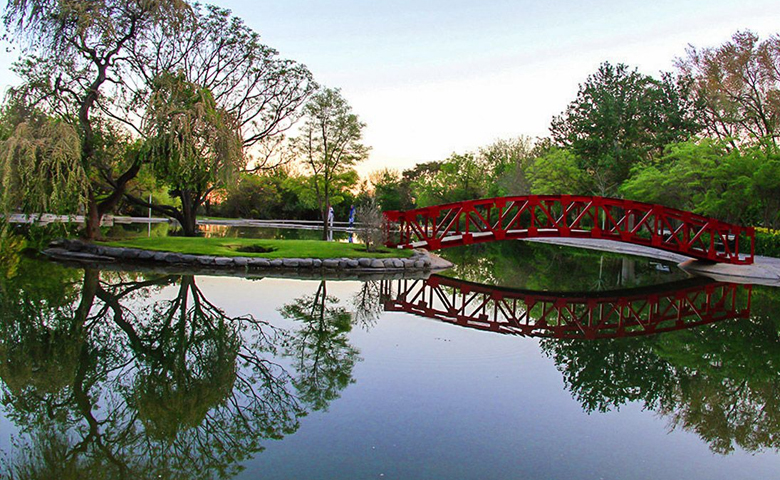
(629,313)
(534,216)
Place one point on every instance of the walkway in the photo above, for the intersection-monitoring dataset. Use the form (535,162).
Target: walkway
(763,271)
(570,216)
(109,220)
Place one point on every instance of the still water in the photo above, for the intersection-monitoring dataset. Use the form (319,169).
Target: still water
(518,363)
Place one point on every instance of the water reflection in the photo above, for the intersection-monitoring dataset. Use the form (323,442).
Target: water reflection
(718,380)
(115,375)
(539,266)
(324,358)
(130,375)
(619,313)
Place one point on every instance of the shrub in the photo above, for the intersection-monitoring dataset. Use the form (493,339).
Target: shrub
(768,242)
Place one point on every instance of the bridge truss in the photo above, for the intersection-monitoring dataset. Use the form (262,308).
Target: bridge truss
(637,312)
(535,216)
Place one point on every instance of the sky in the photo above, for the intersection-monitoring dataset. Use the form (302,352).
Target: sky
(433,77)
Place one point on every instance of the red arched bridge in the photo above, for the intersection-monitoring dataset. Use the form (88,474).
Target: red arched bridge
(626,313)
(535,216)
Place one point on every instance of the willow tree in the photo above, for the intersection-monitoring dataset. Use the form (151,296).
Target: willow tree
(328,144)
(39,164)
(73,56)
(248,79)
(193,145)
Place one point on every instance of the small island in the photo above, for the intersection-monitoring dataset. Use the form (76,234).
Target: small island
(246,254)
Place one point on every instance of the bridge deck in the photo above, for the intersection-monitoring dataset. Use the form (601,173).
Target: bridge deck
(565,216)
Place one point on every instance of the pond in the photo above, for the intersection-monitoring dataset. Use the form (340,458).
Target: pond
(525,361)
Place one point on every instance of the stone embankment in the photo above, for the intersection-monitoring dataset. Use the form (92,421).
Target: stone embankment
(76,250)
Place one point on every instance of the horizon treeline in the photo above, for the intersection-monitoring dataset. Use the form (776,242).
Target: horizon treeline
(185,105)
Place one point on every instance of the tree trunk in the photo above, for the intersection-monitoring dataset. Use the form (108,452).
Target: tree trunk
(325,225)
(96,210)
(92,219)
(189,210)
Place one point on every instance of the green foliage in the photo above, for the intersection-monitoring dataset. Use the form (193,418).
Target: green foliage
(508,161)
(557,172)
(11,246)
(768,242)
(40,165)
(75,68)
(192,142)
(253,196)
(707,177)
(193,145)
(766,188)
(621,118)
(460,177)
(391,190)
(306,187)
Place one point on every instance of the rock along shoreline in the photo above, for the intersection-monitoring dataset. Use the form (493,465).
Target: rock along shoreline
(83,252)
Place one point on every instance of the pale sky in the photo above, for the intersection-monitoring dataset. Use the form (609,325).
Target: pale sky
(434,77)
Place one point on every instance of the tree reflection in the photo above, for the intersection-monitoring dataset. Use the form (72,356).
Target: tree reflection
(104,380)
(367,303)
(540,266)
(719,381)
(714,372)
(323,356)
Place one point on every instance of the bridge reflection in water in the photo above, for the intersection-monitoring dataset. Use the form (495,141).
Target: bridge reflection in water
(610,314)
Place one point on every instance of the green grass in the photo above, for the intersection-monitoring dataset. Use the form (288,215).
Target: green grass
(229,247)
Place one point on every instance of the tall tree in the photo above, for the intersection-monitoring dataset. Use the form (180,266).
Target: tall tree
(247,80)
(329,144)
(460,177)
(620,118)
(217,51)
(193,145)
(73,54)
(738,86)
(508,161)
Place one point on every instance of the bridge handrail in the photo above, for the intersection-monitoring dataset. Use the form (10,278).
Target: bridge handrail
(629,234)
(618,313)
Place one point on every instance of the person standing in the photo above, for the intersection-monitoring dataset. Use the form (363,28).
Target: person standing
(352,216)
(331,216)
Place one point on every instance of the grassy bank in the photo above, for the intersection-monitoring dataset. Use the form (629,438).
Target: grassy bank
(251,247)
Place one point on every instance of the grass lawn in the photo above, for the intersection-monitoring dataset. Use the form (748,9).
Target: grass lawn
(252,247)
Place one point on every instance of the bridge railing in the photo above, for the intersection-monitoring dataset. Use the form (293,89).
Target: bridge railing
(629,313)
(533,216)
